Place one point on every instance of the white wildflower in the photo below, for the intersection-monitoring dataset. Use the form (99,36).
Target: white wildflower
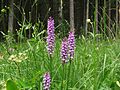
(88,21)
(18,57)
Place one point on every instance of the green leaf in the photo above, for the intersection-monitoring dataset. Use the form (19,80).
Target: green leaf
(28,26)
(118,83)
(42,32)
(11,85)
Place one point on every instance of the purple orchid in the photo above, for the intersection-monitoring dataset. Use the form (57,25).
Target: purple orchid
(71,44)
(64,50)
(51,36)
(46,81)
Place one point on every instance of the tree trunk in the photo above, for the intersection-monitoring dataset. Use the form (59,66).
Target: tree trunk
(61,12)
(61,15)
(119,12)
(96,17)
(29,29)
(104,19)
(116,17)
(11,15)
(109,18)
(87,17)
(71,15)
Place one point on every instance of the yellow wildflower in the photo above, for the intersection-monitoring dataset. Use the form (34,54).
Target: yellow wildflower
(18,57)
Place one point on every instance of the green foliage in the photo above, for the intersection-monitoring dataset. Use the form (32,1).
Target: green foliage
(62,29)
(11,85)
(95,66)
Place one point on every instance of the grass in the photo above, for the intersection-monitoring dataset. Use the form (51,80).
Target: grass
(95,66)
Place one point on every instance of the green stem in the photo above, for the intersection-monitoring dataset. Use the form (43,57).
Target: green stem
(51,69)
(68,77)
(35,62)
(51,65)
(18,68)
(62,85)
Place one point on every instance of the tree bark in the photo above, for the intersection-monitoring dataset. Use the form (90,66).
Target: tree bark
(71,15)
(104,19)
(61,15)
(11,15)
(116,17)
(119,12)
(87,17)
(60,9)
(109,18)
(96,16)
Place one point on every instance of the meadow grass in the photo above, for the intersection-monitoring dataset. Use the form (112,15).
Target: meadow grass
(95,66)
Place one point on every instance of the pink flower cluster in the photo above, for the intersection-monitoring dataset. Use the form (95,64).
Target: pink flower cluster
(64,50)
(46,81)
(51,36)
(71,42)
(67,47)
